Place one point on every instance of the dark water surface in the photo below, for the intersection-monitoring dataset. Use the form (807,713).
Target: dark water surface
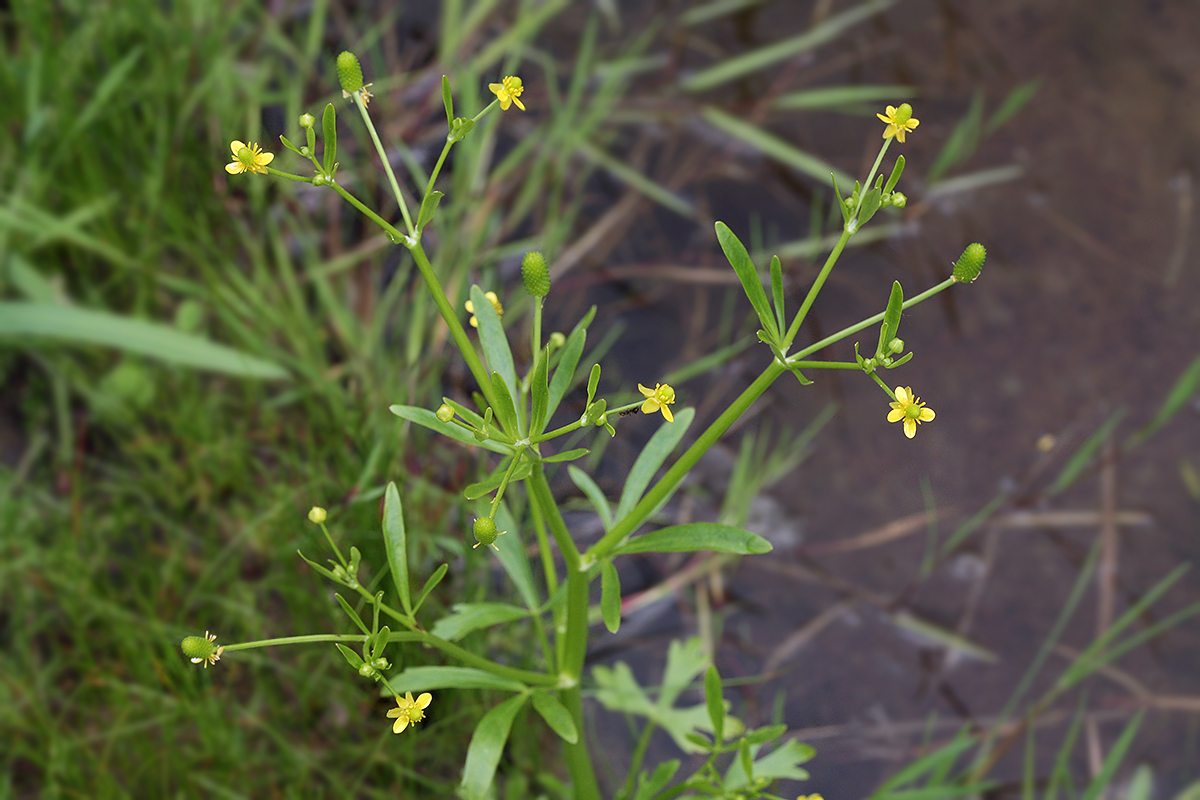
(1088,305)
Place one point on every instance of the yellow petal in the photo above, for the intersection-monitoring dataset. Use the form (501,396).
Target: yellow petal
(265,158)
(927,415)
(895,415)
(400,725)
(645,392)
(236,146)
(903,395)
(910,427)
(666,412)
(234,168)
(426,697)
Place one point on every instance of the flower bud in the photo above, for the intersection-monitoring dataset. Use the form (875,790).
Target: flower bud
(557,340)
(445,412)
(307,120)
(970,263)
(896,346)
(349,72)
(535,273)
(317,515)
(898,200)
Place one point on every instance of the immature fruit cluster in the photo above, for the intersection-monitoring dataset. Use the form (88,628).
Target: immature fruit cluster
(535,273)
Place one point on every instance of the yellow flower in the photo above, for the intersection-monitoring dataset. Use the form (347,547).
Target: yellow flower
(657,399)
(248,158)
(899,121)
(495,304)
(409,711)
(201,649)
(509,91)
(908,407)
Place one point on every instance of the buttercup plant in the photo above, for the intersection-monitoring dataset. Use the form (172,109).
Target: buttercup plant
(511,415)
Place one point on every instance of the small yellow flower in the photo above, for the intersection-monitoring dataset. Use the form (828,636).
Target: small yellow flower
(317,515)
(509,91)
(409,710)
(495,304)
(810,797)
(908,407)
(248,158)
(202,650)
(363,93)
(657,399)
(899,121)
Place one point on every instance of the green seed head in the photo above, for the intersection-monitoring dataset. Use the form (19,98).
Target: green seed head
(535,273)
(970,263)
(485,531)
(349,72)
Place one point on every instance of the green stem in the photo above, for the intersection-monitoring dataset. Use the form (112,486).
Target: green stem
(824,364)
(816,288)
(680,468)
(844,332)
(387,165)
(573,639)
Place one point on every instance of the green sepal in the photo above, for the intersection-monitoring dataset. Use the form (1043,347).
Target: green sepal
(539,390)
(429,207)
(891,318)
(897,171)
(448,102)
(430,585)
(351,613)
(352,657)
(505,410)
(566,455)
(869,205)
(610,597)
(714,698)
(777,293)
(556,715)
(288,144)
(739,259)
(329,127)
(395,539)
(765,338)
(595,412)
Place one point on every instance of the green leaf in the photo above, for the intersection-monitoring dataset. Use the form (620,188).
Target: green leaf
(493,481)
(566,455)
(593,382)
(777,293)
(610,597)
(714,699)
(593,493)
(841,202)
(779,149)
(495,343)
(1104,779)
(422,679)
(468,617)
(380,642)
(698,536)
(428,419)
(512,558)
(539,389)
(780,764)
(739,259)
(487,745)
(396,542)
(1186,387)
(352,657)
(77,326)
(1015,101)
(870,204)
(650,787)
(447,101)
(564,373)
(891,316)
(505,410)
(329,142)
(651,458)
(556,716)
(352,614)
(430,585)
(320,569)
(429,207)
(897,171)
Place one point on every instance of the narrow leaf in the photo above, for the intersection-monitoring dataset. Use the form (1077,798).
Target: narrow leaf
(777,293)
(468,617)
(329,142)
(428,419)
(897,171)
(566,455)
(714,698)
(429,207)
(495,343)
(698,536)
(564,373)
(891,316)
(739,259)
(1186,387)
(651,458)
(593,493)
(556,715)
(487,745)
(1083,456)
(430,585)
(422,679)
(539,389)
(447,101)
(506,412)
(396,542)
(610,597)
